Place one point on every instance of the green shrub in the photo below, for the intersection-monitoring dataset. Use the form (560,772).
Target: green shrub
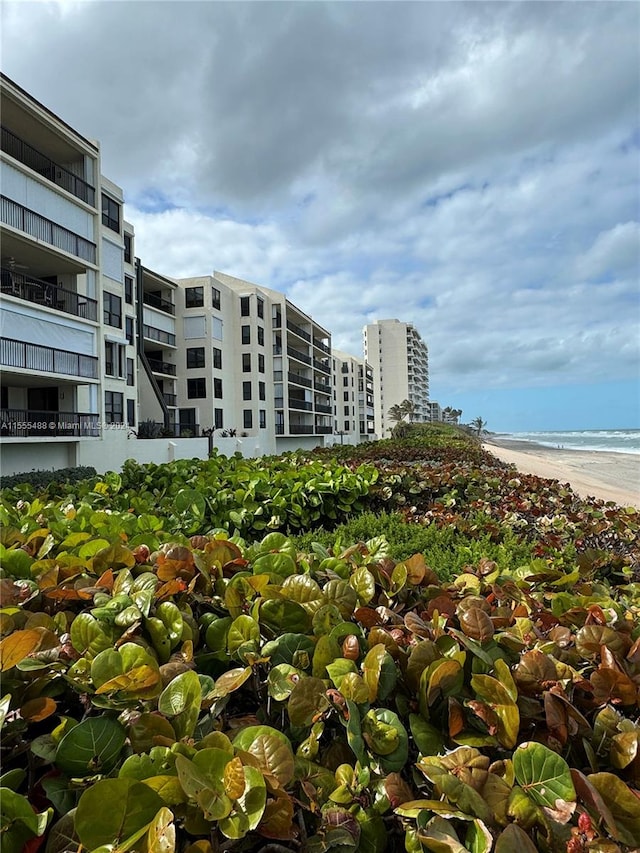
(42,478)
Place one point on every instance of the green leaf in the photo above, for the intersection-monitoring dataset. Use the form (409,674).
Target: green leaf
(623,804)
(115,810)
(514,839)
(379,672)
(249,808)
(91,747)
(18,821)
(544,775)
(181,700)
(272,750)
(307,701)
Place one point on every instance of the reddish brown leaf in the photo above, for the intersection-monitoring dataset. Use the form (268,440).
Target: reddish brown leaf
(477,624)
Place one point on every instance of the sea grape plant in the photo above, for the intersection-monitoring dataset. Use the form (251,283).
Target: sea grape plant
(204,693)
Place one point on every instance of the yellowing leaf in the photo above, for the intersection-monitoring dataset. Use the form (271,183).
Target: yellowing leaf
(21,644)
(138,678)
(233,779)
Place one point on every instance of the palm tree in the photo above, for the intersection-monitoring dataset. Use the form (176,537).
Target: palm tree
(478,424)
(407,408)
(395,414)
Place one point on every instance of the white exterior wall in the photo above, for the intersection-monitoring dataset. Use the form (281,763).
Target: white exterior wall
(387,351)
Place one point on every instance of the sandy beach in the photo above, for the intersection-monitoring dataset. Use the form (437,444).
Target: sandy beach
(608,476)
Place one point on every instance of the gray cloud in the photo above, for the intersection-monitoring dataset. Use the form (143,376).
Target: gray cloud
(472,167)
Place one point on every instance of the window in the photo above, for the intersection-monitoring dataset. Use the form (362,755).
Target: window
(263,418)
(194,297)
(217,358)
(346,396)
(131,412)
(110,214)
(247,418)
(244,306)
(246,390)
(260,363)
(260,336)
(217,418)
(194,327)
(346,410)
(262,392)
(216,328)
(196,388)
(246,334)
(345,381)
(128,323)
(128,248)
(246,362)
(195,357)
(113,359)
(215,297)
(128,290)
(260,306)
(130,372)
(112,309)
(217,388)
(113,403)
(346,426)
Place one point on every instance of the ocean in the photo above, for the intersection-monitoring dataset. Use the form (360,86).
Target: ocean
(611,440)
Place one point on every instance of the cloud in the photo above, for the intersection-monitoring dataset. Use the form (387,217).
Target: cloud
(470,167)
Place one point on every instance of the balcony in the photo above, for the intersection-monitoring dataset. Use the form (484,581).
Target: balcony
(40,163)
(300,356)
(301,429)
(31,223)
(321,346)
(170,399)
(158,302)
(302,405)
(153,334)
(323,430)
(164,367)
(50,295)
(300,332)
(24,423)
(323,366)
(320,386)
(42,359)
(320,407)
(298,380)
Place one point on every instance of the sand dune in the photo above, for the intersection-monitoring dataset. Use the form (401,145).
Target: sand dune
(608,476)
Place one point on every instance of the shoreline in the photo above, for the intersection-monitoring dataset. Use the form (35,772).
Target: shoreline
(603,474)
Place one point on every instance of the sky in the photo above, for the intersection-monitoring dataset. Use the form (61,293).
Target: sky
(472,168)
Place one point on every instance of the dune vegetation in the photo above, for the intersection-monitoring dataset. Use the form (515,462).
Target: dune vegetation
(406,645)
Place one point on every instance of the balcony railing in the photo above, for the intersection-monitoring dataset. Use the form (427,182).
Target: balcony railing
(298,330)
(42,359)
(17,216)
(26,423)
(321,346)
(324,367)
(158,302)
(40,163)
(320,386)
(323,430)
(320,407)
(160,335)
(301,429)
(50,295)
(159,430)
(170,399)
(294,353)
(298,380)
(162,367)
(303,405)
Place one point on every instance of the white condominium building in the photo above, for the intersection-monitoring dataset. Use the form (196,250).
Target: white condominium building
(253,363)
(400,362)
(353,411)
(66,329)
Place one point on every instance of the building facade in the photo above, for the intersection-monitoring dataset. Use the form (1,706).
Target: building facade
(400,362)
(353,400)
(64,346)
(251,362)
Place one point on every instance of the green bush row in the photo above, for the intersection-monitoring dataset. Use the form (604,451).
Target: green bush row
(41,479)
